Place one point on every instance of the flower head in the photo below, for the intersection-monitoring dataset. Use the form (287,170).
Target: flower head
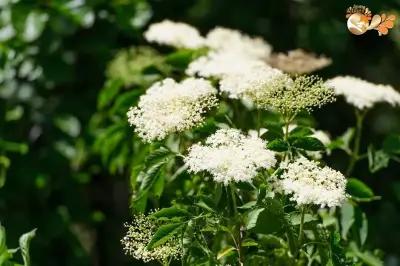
(363,94)
(223,39)
(268,88)
(176,34)
(220,64)
(139,234)
(308,183)
(298,62)
(230,156)
(250,83)
(169,107)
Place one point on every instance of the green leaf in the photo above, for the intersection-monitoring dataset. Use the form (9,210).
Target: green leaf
(359,189)
(170,213)
(156,156)
(24,242)
(108,93)
(295,218)
(343,142)
(346,218)
(309,144)
(227,251)
(150,176)
(164,233)
(300,131)
(278,145)
(252,217)
(377,160)
(180,59)
(139,202)
(391,144)
(274,131)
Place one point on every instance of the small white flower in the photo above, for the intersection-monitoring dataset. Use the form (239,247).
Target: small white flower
(219,64)
(250,83)
(176,34)
(363,94)
(169,107)
(308,183)
(230,156)
(223,39)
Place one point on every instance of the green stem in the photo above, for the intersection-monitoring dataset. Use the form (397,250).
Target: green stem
(357,140)
(258,122)
(303,212)
(233,195)
(238,242)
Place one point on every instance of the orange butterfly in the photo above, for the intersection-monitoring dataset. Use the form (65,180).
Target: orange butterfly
(360,20)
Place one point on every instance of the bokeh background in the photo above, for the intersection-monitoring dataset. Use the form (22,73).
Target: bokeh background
(53,59)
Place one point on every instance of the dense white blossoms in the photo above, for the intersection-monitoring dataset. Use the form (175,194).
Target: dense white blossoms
(308,183)
(223,39)
(230,156)
(138,237)
(169,107)
(220,64)
(252,83)
(363,94)
(175,34)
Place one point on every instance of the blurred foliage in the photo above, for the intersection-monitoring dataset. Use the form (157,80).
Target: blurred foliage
(66,151)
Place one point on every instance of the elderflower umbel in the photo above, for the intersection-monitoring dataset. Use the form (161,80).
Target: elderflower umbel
(363,94)
(169,107)
(308,183)
(176,34)
(223,39)
(230,156)
(250,83)
(219,64)
(138,237)
(289,97)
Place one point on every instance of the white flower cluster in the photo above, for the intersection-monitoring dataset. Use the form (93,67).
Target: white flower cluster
(228,40)
(251,83)
(231,53)
(363,94)
(176,34)
(219,64)
(230,156)
(169,107)
(138,237)
(308,183)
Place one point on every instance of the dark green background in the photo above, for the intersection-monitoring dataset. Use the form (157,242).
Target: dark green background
(75,203)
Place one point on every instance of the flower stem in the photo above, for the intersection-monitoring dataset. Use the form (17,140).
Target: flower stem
(357,140)
(258,122)
(303,212)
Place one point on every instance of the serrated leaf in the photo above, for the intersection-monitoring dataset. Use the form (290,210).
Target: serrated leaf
(171,212)
(377,159)
(278,145)
(227,251)
(163,234)
(300,131)
(274,131)
(308,144)
(157,155)
(24,242)
(150,176)
(252,217)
